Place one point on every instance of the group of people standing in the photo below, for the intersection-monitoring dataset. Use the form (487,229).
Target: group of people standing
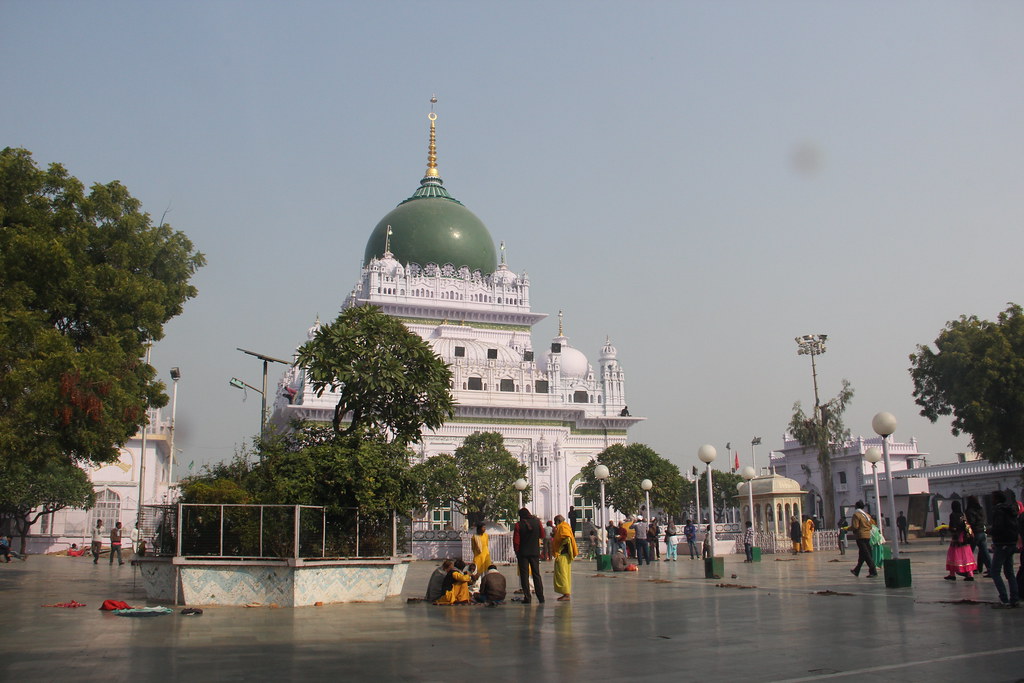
(968,553)
(801,534)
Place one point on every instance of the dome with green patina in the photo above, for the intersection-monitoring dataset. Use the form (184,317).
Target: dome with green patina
(431,226)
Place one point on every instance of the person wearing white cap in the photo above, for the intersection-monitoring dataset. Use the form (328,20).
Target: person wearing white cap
(643,548)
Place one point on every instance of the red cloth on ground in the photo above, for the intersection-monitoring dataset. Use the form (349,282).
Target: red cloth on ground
(111,605)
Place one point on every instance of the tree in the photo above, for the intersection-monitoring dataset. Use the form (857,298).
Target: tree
(389,380)
(976,374)
(478,480)
(352,477)
(826,433)
(723,485)
(628,466)
(86,281)
(32,492)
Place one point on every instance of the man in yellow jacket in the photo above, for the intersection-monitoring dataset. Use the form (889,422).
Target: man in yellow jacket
(861,528)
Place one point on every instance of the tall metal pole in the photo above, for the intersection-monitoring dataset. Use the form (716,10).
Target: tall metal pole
(696,488)
(711,511)
(174,410)
(878,496)
(892,497)
(142,456)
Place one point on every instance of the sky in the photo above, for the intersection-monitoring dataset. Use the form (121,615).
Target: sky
(699,181)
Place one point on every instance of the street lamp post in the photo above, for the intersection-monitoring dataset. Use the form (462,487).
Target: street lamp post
(707,454)
(647,485)
(601,473)
(813,345)
(884,425)
(239,383)
(696,489)
(521,485)
(748,475)
(873,455)
(756,441)
(175,375)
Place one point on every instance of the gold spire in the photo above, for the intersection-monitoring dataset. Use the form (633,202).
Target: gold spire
(560,324)
(387,242)
(432,151)
(503,252)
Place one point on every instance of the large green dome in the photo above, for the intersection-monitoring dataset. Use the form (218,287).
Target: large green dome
(432,227)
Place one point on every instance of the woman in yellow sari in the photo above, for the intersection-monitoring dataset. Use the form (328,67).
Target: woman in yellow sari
(807,539)
(563,545)
(481,549)
(455,586)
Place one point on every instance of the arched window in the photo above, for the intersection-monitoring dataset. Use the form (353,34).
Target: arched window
(108,508)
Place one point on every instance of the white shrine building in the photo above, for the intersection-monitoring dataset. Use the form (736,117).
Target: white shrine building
(432,264)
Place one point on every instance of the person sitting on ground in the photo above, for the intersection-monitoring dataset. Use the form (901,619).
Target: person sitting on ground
(474,584)
(618,561)
(493,588)
(434,586)
(5,547)
(75,551)
(455,586)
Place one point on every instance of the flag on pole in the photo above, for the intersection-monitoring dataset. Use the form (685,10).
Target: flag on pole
(736,467)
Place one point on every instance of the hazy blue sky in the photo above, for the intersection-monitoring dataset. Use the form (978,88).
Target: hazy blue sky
(702,182)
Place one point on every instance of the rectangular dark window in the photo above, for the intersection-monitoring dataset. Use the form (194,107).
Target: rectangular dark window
(492,354)
(556,347)
(580,397)
(475,383)
(842,477)
(508,385)
(528,356)
(460,351)
(541,386)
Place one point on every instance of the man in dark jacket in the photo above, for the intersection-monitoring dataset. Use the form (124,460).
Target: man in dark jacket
(1004,545)
(526,540)
(492,587)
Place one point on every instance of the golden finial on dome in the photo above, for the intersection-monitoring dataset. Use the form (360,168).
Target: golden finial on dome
(387,242)
(560,324)
(432,151)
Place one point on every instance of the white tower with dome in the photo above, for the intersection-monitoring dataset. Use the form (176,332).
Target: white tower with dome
(431,263)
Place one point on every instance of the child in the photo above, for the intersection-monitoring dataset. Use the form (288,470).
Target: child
(748,542)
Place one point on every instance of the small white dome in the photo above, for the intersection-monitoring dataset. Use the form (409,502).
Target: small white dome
(311,332)
(608,352)
(503,276)
(573,363)
(389,266)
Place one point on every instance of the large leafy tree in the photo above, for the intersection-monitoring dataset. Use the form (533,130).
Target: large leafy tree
(86,281)
(628,466)
(389,381)
(359,481)
(33,491)
(826,433)
(976,374)
(478,479)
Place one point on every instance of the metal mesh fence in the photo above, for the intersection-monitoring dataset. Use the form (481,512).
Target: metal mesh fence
(278,531)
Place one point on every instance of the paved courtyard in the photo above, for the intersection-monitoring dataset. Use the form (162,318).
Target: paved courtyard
(788,618)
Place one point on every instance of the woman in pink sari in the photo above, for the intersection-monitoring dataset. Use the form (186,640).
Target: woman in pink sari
(960,556)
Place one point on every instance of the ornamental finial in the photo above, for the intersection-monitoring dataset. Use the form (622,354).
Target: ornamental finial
(432,150)
(387,243)
(560,324)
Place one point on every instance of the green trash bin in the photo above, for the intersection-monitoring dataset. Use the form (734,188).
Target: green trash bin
(896,572)
(714,567)
(755,554)
(604,563)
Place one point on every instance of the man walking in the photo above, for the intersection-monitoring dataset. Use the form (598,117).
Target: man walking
(1004,545)
(861,528)
(97,541)
(526,541)
(690,533)
(115,544)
